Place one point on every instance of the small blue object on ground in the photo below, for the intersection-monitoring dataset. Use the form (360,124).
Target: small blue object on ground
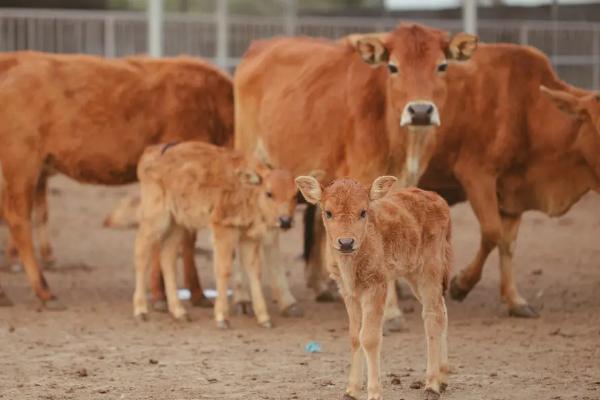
(312,347)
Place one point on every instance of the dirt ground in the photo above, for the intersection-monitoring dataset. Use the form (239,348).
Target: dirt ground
(96,350)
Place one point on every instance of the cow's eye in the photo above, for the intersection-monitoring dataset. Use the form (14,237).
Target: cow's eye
(328,214)
(363,213)
(392,68)
(442,67)
(269,194)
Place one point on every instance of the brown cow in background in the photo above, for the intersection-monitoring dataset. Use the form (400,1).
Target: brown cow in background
(90,119)
(361,107)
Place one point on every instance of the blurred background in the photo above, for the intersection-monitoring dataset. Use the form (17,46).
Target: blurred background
(220,30)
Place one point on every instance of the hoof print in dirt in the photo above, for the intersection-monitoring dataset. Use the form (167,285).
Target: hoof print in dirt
(160,306)
(293,311)
(456,292)
(54,305)
(431,395)
(523,311)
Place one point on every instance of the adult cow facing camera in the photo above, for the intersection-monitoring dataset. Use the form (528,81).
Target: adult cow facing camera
(361,107)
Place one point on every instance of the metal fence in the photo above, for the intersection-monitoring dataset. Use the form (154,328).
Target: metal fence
(573,47)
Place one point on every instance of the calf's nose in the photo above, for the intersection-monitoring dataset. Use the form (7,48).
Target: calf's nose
(346,244)
(285,222)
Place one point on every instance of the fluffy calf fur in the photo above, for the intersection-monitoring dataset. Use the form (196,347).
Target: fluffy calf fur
(192,185)
(373,238)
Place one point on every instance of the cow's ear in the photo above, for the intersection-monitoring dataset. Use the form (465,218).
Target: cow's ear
(461,47)
(371,48)
(381,186)
(261,155)
(249,177)
(310,188)
(565,101)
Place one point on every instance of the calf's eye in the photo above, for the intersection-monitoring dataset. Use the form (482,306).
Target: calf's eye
(393,69)
(269,194)
(363,213)
(328,214)
(442,67)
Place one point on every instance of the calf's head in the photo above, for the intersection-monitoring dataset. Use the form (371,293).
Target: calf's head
(345,205)
(416,59)
(585,107)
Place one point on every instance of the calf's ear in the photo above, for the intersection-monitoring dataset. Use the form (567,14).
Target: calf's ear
(370,48)
(566,102)
(461,47)
(310,188)
(381,186)
(249,177)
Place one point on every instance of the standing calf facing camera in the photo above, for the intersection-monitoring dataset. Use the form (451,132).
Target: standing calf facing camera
(192,185)
(377,236)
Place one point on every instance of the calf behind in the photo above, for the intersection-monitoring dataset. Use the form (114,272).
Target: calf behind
(373,238)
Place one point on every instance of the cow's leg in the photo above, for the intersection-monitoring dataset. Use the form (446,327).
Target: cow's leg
(224,241)
(316,276)
(11,254)
(40,220)
(17,205)
(288,305)
(517,305)
(371,335)
(355,379)
(393,316)
(481,192)
(168,261)
(157,283)
(191,277)
(251,260)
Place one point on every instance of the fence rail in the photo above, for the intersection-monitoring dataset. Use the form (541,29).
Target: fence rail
(573,47)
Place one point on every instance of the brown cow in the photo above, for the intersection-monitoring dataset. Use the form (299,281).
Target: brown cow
(90,119)
(193,185)
(507,149)
(361,107)
(373,238)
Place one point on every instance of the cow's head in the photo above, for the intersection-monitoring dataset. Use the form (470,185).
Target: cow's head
(585,107)
(345,206)
(416,59)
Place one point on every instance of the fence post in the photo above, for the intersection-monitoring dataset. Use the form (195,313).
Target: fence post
(109,37)
(469,16)
(222,34)
(523,34)
(596,58)
(155,28)
(290,17)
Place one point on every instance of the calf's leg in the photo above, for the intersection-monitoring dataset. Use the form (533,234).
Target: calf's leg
(147,248)
(224,240)
(191,277)
(250,258)
(371,333)
(168,262)
(157,283)
(355,378)
(517,305)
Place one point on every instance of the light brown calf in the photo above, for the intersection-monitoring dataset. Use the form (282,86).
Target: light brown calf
(193,185)
(374,237)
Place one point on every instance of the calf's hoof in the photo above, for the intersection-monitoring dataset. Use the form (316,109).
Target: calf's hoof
(293,310)
(457,292)
(443,387)
(431,395)
(325,297)
(5,301)
(346,396)
(202,302)
(523,311)
(142,317)
(224,324)
(181,316)
(54,305)
(160,305)
(396,324)
(266,324)
(244,308)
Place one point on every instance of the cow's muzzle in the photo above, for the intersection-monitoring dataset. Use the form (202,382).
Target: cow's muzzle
(420,113)
(285,222)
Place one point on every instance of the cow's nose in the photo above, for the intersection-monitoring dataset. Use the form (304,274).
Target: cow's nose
(346,244)
(420,113)
(285,222)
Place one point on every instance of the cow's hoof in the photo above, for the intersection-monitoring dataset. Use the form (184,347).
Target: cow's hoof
(346,396)
(142,317)
(244,308)
(224,324)
(202,302)
(5,301)
(325,297)
(54,305)
(456,292)
(523,311)
(294,310)
(443,387)
(431,395)
(266,324)
(396,324)
(160,305)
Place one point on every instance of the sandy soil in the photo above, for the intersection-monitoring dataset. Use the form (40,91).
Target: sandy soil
(96,350)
